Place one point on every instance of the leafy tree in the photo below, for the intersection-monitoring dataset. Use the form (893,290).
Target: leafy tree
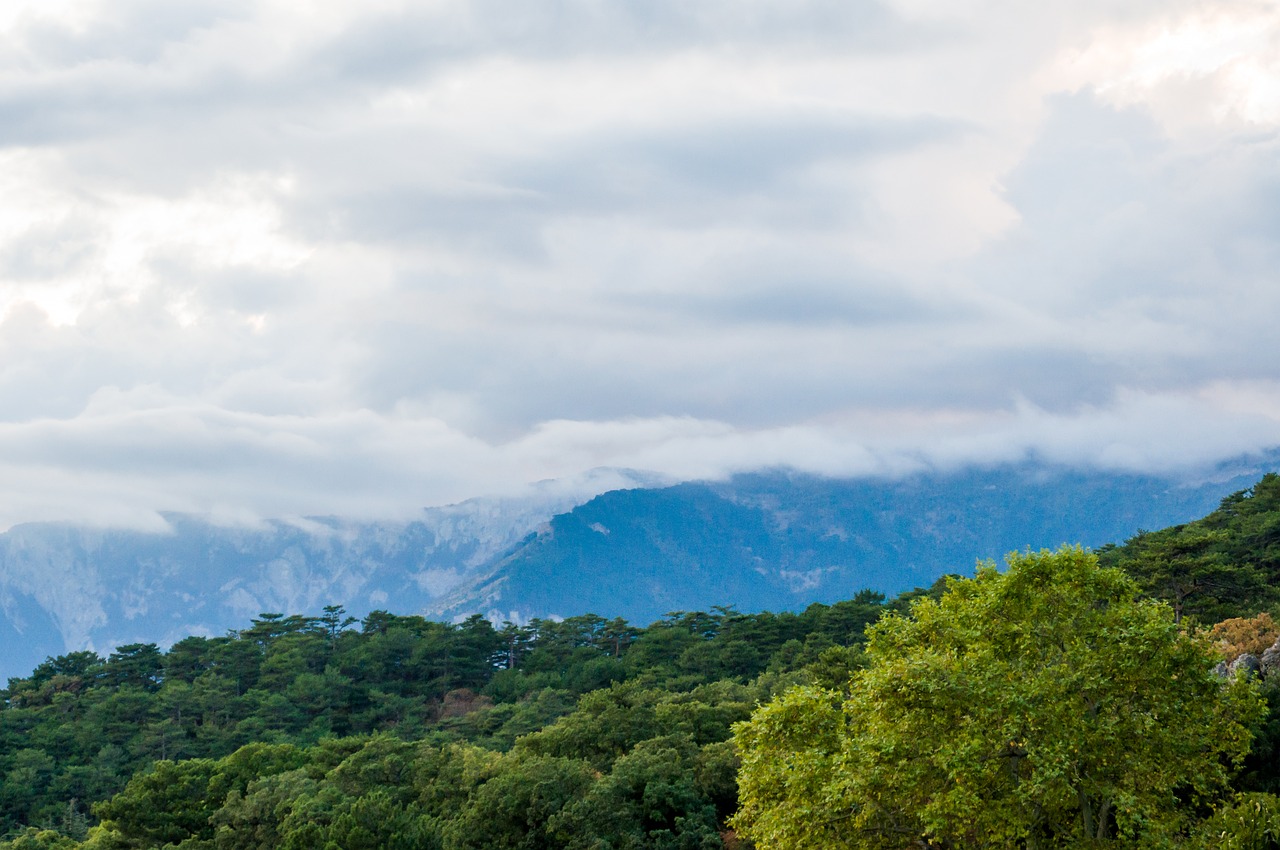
(166,805)
(513,809)
(1250,822)
(1262,766)
(605,726)
(137,665)
(1186,566)
(1224,565)
(334,622)
(650,799)
(1040,707)
(39,839)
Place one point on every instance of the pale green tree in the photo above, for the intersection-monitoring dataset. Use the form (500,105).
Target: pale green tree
(1040,707)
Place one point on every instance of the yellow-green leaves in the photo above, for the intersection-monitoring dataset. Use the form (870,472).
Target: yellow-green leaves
(1043,706)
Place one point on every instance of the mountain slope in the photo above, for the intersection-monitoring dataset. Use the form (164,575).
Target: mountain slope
(777,541)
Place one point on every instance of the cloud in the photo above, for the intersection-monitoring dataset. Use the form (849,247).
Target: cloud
(273,258)
(131,456)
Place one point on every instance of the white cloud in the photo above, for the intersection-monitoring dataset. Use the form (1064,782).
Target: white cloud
(131,454)
(279,258)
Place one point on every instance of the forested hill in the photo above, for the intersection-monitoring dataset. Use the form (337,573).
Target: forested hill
(1214,567)
(272,725)
(399,732)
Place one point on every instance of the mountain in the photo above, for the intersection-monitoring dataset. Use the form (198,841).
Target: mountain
(781,541)
(66,587)
(764,541)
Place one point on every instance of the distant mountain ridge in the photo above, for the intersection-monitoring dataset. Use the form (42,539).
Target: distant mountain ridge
(781,541)
(66,587)
(761,541)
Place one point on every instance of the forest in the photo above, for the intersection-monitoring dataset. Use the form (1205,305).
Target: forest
(395,731)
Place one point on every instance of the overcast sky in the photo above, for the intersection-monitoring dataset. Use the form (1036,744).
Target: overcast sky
(282,258)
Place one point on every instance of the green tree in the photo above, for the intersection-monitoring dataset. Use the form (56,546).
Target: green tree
(139,665)
(650,799)
(165,805)
(1045,706)
(513,809)
(1249,822)
(1186,566)
(1224,565)
(38,839)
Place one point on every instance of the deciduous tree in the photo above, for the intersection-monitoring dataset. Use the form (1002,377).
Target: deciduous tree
(1045,706)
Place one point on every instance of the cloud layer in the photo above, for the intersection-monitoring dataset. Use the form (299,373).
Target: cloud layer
(269,258)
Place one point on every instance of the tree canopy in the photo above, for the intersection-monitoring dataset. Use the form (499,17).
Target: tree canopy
(1044,706)
(1226,564)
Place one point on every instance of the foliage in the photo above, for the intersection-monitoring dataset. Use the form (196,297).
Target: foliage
(1043,707)
(1224,565)
(1249,822)
(197,743)
(1236,636)
(1261,771)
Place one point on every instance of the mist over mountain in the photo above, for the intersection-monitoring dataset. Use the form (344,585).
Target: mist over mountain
(771,540)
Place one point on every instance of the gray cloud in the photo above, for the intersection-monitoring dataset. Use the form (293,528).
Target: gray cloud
(256,259)
(385,48)
(48,250)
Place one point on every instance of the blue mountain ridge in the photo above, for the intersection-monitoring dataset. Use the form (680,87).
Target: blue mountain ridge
(772,540)
(780,541)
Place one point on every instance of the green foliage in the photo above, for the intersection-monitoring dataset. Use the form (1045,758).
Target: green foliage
(1224,565)
(165,805)
(39,839)
(239,740)
(649,799)
(1044,706)
(1249,822)
(1261,771)
(515,809)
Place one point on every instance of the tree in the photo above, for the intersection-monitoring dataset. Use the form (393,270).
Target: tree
(165,805)
(1045,706)
(649,799)
(1186,566)
(139,665)
(513,809)
(1224,565)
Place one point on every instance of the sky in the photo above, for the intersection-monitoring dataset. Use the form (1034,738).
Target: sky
(267,258)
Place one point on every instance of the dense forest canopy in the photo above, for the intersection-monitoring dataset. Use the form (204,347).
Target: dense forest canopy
(396,731)
(573,695)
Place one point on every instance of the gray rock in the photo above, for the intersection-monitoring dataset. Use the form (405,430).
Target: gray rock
(1270,661)
(1246,665)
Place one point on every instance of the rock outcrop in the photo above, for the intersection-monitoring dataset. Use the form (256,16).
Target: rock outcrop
(1246,665)
(1269,663)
